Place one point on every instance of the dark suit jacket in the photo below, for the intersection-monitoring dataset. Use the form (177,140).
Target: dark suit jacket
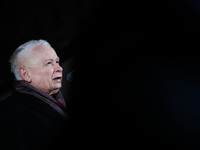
(26,122)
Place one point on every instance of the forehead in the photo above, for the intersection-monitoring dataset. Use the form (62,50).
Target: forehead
(42,53)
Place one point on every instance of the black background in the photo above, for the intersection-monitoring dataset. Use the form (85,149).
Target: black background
(136,77)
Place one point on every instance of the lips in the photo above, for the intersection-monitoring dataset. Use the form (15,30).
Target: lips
(58,79)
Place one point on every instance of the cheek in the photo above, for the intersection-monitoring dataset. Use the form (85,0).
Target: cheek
(46,75)
(43,76)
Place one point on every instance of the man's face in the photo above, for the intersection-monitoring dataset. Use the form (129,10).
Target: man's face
(45,71)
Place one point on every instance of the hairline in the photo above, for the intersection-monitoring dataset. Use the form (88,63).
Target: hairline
(20,55)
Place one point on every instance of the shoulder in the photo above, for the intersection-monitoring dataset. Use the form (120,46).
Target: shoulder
(6,111)
(6,103)
(15,103)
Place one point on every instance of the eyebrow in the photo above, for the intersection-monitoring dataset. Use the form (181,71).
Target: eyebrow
(57,59)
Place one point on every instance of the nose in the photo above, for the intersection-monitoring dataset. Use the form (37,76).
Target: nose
(58,68)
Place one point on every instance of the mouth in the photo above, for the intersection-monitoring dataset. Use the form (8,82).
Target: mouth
(57,79)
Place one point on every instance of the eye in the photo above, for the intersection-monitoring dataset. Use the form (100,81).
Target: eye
(48,63)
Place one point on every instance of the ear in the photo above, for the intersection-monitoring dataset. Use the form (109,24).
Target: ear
(24,73)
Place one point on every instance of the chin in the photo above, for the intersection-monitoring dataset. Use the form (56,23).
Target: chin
(55,91)
(57,86)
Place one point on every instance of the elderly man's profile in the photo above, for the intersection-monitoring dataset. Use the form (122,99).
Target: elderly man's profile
(35,115)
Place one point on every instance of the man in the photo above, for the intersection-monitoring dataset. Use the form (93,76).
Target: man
(35,115)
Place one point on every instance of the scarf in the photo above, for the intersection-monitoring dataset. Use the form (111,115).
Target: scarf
(25,88)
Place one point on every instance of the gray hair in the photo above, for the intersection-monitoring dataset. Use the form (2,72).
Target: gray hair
(21,54)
